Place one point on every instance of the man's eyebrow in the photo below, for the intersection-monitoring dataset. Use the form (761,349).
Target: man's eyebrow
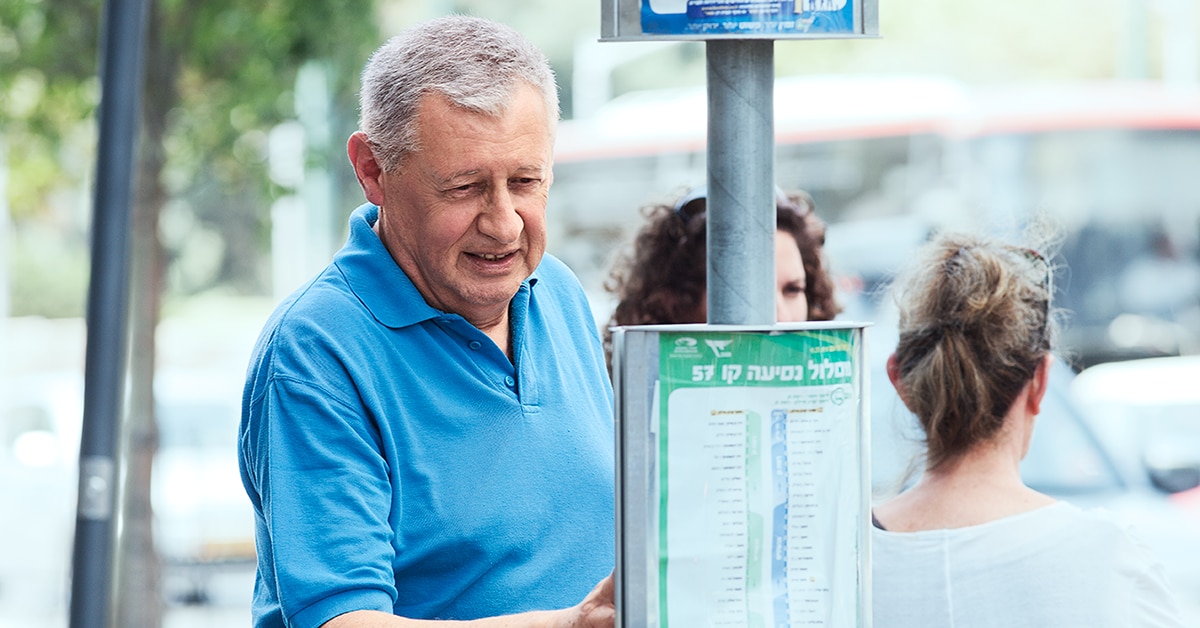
(455,176)
(537,168)
(452,178)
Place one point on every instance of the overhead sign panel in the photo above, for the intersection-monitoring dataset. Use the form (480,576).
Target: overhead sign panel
(738,19)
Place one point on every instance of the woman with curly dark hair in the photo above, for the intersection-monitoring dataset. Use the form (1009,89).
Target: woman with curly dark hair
(663,279)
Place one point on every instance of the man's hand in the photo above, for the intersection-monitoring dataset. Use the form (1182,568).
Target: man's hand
(597,610)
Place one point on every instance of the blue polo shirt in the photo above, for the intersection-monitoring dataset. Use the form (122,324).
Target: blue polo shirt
(398,461)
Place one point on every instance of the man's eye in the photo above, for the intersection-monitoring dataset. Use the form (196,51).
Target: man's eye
(460,191)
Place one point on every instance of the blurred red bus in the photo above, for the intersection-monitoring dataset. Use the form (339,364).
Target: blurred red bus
(1114,164)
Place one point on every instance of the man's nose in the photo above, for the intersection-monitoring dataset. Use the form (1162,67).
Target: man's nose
(500,219)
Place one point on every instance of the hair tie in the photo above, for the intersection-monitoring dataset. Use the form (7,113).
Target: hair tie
(697,193)
(700,192)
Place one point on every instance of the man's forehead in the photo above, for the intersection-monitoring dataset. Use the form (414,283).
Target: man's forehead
(434,100)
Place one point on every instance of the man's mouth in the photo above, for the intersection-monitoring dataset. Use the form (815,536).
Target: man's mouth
(491,257)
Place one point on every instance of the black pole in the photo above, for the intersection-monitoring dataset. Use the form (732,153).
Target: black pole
(107,311)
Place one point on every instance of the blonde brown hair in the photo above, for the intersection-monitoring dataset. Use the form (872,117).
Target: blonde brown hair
(975,322)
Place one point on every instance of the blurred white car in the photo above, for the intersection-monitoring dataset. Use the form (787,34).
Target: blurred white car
(1147,413)
(1150,410)
(40,416)
(203,521)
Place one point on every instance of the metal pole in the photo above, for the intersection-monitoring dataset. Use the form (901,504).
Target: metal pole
(741,181)
(107,311)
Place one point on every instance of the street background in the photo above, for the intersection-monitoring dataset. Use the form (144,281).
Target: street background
(243,191)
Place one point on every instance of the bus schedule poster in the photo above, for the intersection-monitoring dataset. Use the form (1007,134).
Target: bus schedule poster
(749,17)
(758,488)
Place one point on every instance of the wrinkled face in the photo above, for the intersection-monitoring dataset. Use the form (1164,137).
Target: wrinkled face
(465,215)
(791,301)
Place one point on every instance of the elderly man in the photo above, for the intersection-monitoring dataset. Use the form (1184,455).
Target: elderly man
(427,425)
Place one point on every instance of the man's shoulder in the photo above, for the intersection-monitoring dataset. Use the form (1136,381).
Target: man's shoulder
(322,304)
(554,280)
(553,269)
(325,297)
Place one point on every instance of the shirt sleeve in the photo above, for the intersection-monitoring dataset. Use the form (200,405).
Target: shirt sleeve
(326,497)
(1154,602)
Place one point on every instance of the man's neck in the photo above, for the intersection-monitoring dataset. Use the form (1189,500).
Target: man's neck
(497,329)
(499,333)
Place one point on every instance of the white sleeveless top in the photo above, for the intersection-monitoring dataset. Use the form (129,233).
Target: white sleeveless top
(1054,567)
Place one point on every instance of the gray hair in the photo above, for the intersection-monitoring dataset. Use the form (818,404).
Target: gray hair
(476,64)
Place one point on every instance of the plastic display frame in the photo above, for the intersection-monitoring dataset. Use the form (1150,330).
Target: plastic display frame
(821,368)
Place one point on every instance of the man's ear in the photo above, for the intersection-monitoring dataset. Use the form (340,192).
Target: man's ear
(893,373)
(367,168)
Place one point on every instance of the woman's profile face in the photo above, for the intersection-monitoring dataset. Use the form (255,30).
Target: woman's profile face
(791,300)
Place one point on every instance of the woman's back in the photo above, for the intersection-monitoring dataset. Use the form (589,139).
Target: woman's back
(1056,566)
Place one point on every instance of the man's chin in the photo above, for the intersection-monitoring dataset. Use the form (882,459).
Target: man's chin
(491,294)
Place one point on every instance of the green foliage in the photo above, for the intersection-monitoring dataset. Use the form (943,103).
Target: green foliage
(59,37)
(49,274)
(240,74)
(219,75)
(46,102)
(237,66)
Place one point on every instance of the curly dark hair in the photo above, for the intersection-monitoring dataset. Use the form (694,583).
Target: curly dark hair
(662,280)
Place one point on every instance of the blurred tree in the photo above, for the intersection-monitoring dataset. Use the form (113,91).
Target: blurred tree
(48,90)
(218,76)
(215,74)
(556,27)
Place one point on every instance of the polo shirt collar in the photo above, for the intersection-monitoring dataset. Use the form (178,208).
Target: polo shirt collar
(379,282)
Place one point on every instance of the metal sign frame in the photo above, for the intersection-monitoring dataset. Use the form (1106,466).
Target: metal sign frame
(640,381)
(643,20)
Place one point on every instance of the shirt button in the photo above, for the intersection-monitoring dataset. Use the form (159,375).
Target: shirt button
(510,381)
(475,345)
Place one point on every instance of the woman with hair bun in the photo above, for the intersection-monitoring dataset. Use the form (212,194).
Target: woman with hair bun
(969,544)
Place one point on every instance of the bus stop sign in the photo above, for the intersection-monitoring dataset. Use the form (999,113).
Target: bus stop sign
(639,20)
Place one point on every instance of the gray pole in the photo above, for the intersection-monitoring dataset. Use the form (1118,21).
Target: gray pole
(107,308)
(741,181)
